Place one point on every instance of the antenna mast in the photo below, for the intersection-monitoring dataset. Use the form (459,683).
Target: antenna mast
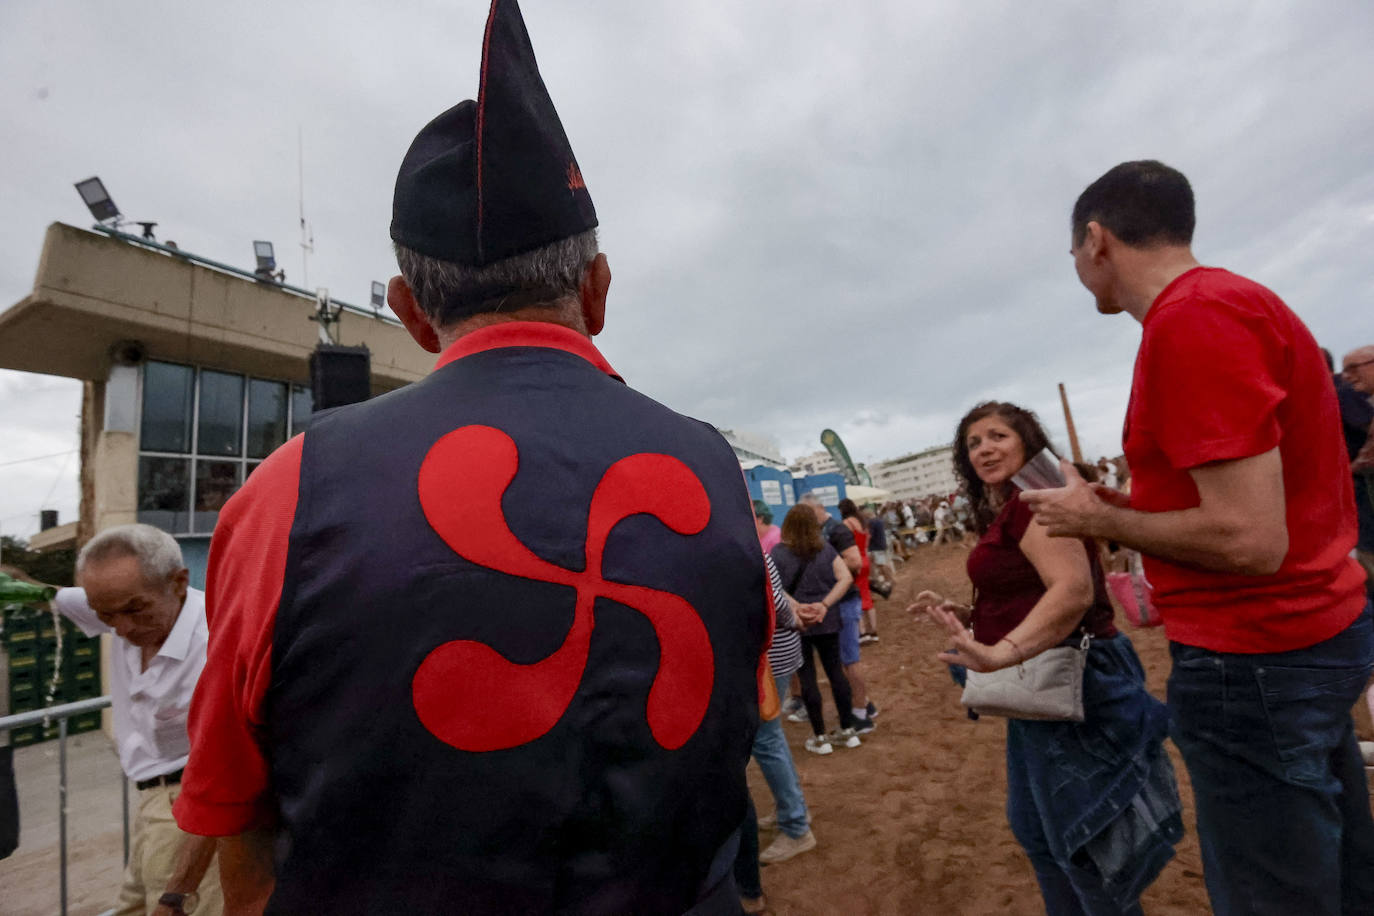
(307,233)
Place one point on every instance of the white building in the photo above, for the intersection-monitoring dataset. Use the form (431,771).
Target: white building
(752,449)
(814,463)
(926,473)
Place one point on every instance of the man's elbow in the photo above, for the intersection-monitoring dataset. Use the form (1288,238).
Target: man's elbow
(1257,552)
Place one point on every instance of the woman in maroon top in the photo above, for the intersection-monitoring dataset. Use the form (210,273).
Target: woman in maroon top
(1094,804)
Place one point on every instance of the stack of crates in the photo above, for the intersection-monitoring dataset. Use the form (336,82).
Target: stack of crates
(30,638)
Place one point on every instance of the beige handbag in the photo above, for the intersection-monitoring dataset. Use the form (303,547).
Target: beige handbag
(1047,687)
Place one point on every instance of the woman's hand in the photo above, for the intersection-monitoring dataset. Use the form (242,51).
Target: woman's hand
(808,615)
(927,601)
(964,650)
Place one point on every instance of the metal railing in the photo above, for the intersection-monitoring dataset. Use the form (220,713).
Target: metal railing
(61,714)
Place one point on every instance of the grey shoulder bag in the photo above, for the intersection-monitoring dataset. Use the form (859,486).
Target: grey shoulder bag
(1047,687)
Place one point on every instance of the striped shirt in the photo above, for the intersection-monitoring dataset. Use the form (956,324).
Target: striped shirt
(784,654)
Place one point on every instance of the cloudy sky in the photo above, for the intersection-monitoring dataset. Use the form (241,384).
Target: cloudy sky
(817,214)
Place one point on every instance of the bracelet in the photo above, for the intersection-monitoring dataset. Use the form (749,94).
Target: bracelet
(1020,656)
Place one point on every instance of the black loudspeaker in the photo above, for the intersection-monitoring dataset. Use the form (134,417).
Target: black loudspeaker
(340,375)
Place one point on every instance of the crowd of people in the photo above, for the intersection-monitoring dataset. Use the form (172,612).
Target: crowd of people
(505,640)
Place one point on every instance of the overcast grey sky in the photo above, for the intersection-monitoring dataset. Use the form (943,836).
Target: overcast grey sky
(816,216)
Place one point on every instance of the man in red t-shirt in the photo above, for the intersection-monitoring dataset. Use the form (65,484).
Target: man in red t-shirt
(1242,504)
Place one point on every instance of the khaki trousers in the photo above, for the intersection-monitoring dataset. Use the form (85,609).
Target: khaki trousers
(156,843)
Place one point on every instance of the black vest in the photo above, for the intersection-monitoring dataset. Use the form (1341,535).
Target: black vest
(465,714)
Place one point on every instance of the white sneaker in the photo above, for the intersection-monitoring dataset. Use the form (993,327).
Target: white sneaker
(845,737)
(798,716)
(820,744)
(785,847)
(768,821)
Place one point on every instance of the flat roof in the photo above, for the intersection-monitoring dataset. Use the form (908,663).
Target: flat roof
(92,291)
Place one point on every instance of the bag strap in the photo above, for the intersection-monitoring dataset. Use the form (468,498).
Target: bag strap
(801,569)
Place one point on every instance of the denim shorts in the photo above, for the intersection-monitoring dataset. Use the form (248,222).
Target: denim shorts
(851,612)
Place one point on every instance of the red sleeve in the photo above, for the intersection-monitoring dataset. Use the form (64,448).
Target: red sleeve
(1213,370)
(225,789)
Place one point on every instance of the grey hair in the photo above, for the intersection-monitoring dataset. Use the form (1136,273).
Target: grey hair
(159,554)
(448,292)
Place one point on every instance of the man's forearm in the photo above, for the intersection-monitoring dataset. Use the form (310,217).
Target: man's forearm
(193,859)
(1189,537)
(245,872)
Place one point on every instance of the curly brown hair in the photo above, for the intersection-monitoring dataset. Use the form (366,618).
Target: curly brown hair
(1025,424)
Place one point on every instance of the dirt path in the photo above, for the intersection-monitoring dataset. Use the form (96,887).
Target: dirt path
(913,822)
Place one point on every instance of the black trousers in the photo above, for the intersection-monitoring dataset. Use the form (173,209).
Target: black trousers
(828,648)
(747,862)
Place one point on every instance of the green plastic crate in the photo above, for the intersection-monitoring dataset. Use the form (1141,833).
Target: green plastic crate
(86,722)
(29,734)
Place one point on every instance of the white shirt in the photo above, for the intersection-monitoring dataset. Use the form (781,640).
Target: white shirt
(150,706)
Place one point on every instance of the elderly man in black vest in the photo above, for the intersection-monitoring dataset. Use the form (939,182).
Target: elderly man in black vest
(489,643)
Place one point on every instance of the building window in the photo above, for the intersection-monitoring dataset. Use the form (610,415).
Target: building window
(202,433)
(266,417)
(166,408)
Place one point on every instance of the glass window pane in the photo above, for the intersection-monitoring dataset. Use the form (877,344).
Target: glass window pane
(221,413)
(216,481)
(266,417)
(302,405)
(166,408)
(164,493)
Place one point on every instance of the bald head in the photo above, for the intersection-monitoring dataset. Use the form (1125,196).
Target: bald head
(1357,367)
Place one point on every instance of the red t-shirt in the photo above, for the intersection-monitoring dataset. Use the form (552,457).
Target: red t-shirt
(1227,371)
(1008,586)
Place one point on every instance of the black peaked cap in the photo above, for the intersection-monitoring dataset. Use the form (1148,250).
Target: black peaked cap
(494,178)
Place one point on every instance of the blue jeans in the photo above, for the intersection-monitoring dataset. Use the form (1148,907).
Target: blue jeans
(1282,801)
(775,760)
(1095,804)
(851,614)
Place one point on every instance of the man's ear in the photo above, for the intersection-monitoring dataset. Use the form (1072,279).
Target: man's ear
(402,302)
(596,280)
(1097,239)
(178,582)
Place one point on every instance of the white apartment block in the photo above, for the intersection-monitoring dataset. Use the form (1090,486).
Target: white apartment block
(815,463)
(752,449)
(926,473)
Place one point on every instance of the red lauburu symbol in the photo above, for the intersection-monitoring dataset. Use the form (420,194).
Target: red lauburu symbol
(470,696)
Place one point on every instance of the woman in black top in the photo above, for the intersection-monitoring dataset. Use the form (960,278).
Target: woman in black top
(816,578)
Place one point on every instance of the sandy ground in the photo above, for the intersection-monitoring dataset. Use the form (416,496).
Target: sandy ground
(914,821)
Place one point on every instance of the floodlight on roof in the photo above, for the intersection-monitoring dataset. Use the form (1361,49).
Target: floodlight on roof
(378,296)
(267,261)
(97,199)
